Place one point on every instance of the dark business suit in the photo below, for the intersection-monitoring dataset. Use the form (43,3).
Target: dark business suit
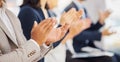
(86,38)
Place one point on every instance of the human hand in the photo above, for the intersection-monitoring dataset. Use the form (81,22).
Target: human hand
(106,32)
(41,31)
(57,33)
(86,23)
(103,16)
(78,26)
(70,16)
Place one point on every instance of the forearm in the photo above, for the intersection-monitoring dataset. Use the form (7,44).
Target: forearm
(89,35)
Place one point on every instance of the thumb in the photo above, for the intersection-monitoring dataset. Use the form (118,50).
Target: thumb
(34,25)
(80,13)
(65,27)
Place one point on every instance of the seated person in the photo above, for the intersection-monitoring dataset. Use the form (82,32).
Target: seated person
(88,36)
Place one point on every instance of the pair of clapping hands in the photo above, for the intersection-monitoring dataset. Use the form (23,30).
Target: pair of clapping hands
(44,32)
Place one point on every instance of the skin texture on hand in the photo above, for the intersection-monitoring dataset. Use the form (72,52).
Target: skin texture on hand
(106,32)
(67,17)
(41,31)
(103,16)
(76,28)
(70,16)
(57,33)
(86,23)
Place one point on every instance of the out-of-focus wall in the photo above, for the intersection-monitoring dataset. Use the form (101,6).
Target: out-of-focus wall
(61,5)
(93,7)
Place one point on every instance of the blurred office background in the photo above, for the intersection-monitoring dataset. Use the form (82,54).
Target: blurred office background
(110,43)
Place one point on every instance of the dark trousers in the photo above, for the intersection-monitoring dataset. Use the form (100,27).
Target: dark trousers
(91,59)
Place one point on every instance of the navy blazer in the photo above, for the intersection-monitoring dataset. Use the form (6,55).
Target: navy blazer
(27,17)
(86,37)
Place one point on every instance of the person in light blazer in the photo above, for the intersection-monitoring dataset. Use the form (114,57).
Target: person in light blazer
(13,45)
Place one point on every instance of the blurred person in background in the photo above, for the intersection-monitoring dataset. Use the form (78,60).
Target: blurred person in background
(88,36)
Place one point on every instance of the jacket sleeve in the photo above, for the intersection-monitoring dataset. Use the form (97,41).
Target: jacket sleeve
(29,52)
(94,27)
(88,35)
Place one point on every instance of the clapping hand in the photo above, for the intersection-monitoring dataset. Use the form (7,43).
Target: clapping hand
(104,15)
(57,33)
(41,31)
(70,16)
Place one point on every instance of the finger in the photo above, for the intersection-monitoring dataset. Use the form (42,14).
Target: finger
(80,13)
(47,25)
(75,16)
(50,25)
(70,16)
(44,23)
(34,26)
(72,9)
(71,12)
(65,27)
(61,19)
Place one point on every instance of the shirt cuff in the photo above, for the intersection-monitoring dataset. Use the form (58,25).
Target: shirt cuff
(44,45)
(35,42)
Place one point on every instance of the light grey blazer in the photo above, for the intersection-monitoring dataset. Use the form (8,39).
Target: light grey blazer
(19,50)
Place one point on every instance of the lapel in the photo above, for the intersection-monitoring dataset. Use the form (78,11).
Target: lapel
(16,26)
(4,28)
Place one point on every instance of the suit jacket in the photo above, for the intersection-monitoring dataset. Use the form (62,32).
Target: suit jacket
(87,37)
(19,50)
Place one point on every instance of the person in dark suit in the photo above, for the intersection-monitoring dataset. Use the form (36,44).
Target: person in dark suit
(88,36)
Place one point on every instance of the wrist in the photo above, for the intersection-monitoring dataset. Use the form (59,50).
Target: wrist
(101,21)
(39,42)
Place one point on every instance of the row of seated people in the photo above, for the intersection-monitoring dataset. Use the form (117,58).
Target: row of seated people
(74,24)
(83,39)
